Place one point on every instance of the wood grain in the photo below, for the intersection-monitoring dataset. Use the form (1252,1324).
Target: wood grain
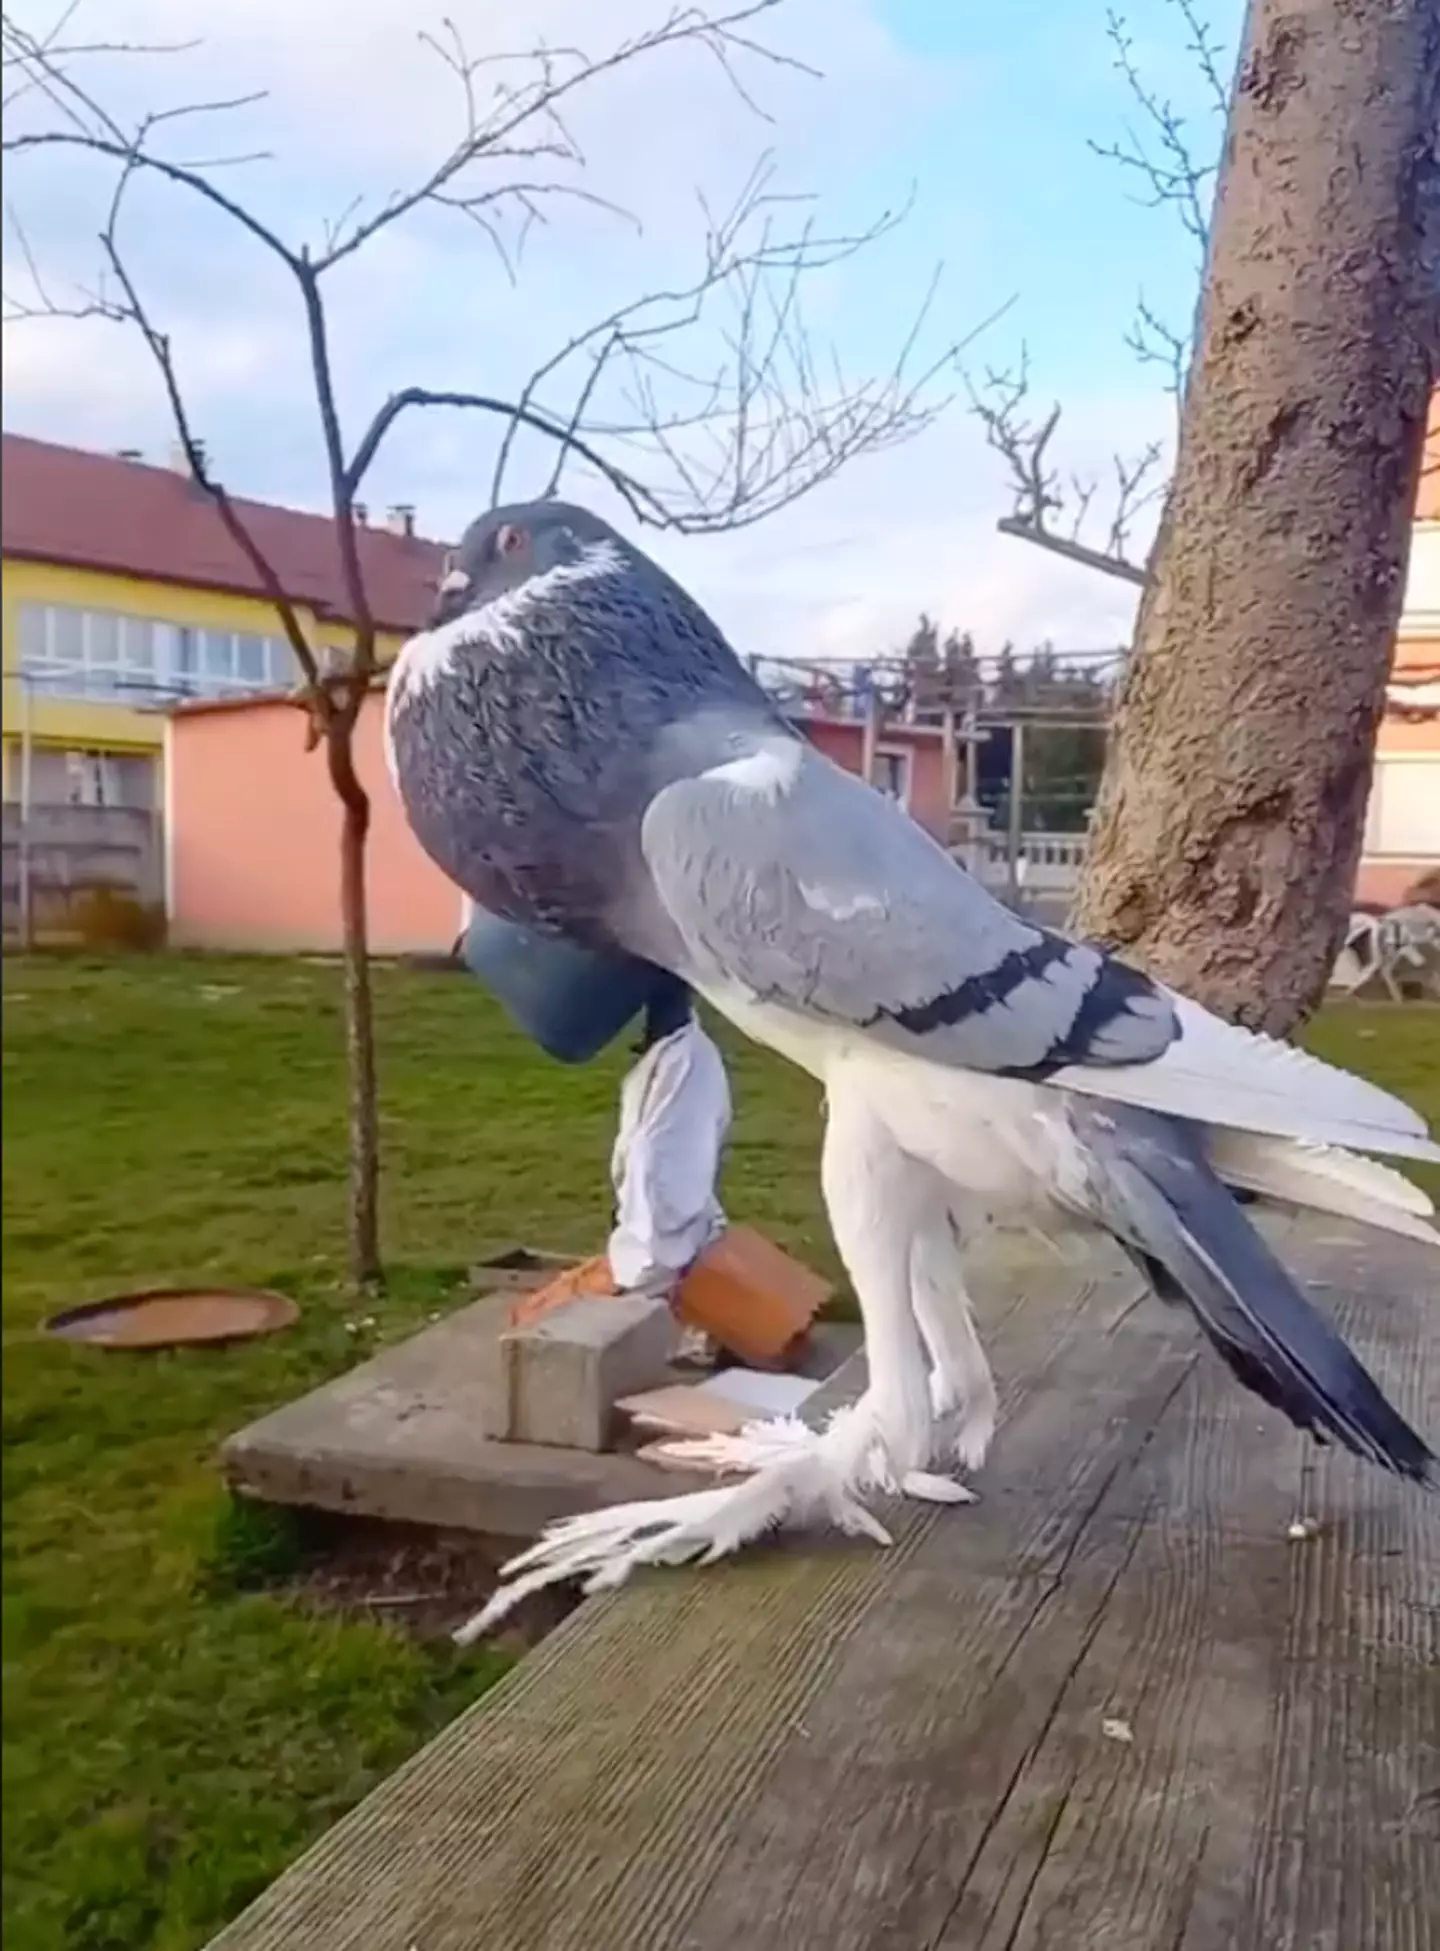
(828,1748)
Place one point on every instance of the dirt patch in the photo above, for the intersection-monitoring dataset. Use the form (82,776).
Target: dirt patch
(424,1582)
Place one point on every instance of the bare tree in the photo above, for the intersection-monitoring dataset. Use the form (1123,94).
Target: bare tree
(694,451)
(1230,820)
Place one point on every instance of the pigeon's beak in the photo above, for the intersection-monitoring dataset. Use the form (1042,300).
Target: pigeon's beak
(452,599)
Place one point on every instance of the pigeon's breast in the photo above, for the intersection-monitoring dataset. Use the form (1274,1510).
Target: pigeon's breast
(506,798)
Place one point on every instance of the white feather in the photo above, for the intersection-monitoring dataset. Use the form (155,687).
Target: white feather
(1219,1074)
(765,772)
(1001,1137)
(1323,1179)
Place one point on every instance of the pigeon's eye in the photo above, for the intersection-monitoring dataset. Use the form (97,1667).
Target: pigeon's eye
(510,540)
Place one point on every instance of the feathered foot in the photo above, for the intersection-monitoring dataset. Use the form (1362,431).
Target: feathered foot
(803,1477)
(965,1417)
(759,1444)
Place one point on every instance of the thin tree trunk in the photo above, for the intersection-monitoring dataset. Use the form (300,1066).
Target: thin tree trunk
(363,1227)
(1230,819)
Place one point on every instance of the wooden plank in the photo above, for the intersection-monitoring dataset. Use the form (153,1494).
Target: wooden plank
(829,1748)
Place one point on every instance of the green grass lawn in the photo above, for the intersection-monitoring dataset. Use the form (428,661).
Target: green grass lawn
(171,1741)
(168,1745)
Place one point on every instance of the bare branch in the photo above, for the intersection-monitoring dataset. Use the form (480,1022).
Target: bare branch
(1022,442)
(1168,163)
(998,404)
(422,396)
(565,447)
(704,450)
(523,121)
(1155,343)
(1164,159)
(1131,495)
(132,309)
(739,439)
(1159,153)
(129,152)
(1208,55)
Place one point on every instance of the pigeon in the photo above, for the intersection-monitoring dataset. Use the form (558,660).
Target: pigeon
(576,745)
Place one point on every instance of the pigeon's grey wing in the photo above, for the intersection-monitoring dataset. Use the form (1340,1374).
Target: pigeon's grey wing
(813,892)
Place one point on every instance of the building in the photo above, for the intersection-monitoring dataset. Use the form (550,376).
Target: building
(1402,827)
(122,592)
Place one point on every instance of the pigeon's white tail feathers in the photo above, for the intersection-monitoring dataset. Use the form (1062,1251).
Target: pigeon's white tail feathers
(1218,1074)
(1324,1179)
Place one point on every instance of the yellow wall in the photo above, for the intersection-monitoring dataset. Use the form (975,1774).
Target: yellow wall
(116,727)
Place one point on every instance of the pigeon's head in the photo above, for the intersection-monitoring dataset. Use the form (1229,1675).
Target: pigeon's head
(510,547)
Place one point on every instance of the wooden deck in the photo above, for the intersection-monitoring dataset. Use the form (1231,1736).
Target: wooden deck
(1113,1707)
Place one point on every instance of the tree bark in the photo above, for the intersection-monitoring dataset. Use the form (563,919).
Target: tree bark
(1230,819)
(363,1218)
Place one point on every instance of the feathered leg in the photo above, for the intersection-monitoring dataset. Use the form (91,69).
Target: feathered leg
(963,1399)
(878,1201)
(875,1196)
(962,1391)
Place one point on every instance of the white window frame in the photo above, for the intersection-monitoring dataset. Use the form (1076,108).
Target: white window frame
(137,683)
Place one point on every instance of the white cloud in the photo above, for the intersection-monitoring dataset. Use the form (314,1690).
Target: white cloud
(356,103)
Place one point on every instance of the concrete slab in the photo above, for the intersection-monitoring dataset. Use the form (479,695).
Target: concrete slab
(559,1378)
(401,1437)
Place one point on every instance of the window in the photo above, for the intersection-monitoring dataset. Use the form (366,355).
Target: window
(67,638)
(185,652)
(33,633)
(137,645)
(89,777)
(91,780)
(892,774)
(284,669)
(251,660)
(217,655)
(68,652)
(103,654)
(101,633)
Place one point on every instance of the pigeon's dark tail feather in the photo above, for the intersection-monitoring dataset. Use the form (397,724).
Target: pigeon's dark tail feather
(1154,1188)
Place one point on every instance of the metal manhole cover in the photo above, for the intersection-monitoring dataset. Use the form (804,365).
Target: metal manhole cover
(175,1317)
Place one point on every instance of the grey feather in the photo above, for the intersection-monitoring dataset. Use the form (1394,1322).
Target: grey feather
(825,898)
(1151,1184)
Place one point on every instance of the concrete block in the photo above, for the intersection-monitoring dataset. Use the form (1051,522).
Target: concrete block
(560,1377)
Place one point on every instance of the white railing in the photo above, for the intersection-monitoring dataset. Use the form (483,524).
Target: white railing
(1049,863)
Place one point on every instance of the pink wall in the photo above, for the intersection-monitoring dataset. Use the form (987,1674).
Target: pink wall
(253,832)
(253,839)
(1386,883)
(843,741)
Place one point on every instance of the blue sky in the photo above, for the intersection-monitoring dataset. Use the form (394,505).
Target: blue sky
(986,110)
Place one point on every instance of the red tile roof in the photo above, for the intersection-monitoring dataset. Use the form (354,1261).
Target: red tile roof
(96,511)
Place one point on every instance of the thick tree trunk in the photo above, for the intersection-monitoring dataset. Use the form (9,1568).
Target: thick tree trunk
(363,1229)
(1231,815)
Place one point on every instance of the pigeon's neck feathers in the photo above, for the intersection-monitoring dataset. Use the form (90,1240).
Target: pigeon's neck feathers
(499,625)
